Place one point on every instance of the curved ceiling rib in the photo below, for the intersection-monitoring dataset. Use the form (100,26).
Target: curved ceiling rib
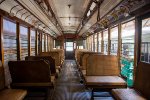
(106,6)
(37,18)
(25,7)
(53,15)
(1,2)
(13,7)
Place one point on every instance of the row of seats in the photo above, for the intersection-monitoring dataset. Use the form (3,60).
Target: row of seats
(36,72)
(7,93)
(101,72)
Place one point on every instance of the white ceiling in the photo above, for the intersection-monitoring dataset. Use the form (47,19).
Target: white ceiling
(106,6)
(75,12)
(68,18)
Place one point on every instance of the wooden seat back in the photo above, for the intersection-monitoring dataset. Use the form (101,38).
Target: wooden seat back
(78,52)
(102,65)
(55,55)
(83,59)
(60,51)
(2,77)
(142,79)
(48,59)
(29,71)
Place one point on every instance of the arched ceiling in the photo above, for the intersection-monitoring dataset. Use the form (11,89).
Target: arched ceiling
(69,13)
(59,17)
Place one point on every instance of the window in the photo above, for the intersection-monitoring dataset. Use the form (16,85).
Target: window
(88,43)
(145,40)
(99,41)
(24,42)
(46,48)
(127,51)
(91,41)
(9,45)
(105,36)
(69,46)
(32,43)
(114,40)
(43,42)
(95,42)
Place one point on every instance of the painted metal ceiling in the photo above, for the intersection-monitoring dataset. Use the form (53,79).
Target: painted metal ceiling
(58,17)
(106,6)
(31,12)
(69,13)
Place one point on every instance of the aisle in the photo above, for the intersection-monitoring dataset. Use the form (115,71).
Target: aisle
(68,86)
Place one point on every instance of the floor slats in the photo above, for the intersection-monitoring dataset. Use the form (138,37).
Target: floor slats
(68,86)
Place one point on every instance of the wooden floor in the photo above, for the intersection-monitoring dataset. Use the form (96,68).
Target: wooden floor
(68,86)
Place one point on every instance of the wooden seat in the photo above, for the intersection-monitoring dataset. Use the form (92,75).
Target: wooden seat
(127,94)
(55,55)
(102,73)
(48,59)
(105,82)
(141,86)
(9,94)
(12,94)
(30,74)
(83,61)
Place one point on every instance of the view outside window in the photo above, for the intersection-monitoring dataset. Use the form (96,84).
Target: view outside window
(88,43)
(114,40)
(145,41)
(46,42)
(92,49)
(32,42)
(69,46)
(95,42)
(9,45)
(99,41)
(24,42)
(43,42)
(127,51)
(105,36)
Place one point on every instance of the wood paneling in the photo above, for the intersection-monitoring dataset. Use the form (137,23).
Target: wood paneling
(36,42)
(29,41)
(18,40)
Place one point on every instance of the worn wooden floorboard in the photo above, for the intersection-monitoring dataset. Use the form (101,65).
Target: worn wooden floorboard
(68,86)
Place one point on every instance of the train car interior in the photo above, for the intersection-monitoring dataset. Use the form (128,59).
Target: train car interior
(74,49)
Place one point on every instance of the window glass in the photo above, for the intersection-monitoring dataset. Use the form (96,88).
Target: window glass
(127,51)
(99,41)
(114,40)
(92,43)
(9,45)
(46,43)
(145,40)
(24,42)
(95,42)
(105,36)
(33,42)
(69,46)
(43,42)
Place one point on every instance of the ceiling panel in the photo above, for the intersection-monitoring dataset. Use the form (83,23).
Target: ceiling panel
(106,6)
(69,12)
